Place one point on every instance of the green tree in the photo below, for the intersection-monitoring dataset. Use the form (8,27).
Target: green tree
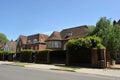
(3,37)
(110,35)
(90,30)
(111,39)
(101,25)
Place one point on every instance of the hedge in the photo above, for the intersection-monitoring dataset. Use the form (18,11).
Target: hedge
(25,55)
(41,56)
(33,55)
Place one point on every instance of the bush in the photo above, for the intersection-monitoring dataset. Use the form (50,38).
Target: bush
(100,46)
(4,52)
(88,42)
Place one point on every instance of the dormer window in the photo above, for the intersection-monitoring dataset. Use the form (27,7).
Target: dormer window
(69,34)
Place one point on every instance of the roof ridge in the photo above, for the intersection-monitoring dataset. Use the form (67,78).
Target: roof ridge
(75,27)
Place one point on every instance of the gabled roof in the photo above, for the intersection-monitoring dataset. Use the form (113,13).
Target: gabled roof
(70,33)
(23,39)
(40,37)
(75,32)
(44,37)
(55,36)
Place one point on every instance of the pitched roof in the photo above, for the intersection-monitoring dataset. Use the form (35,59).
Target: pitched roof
(39,37)
(12,46)
(44,37)
(75,32)
(55,36)
(23,39)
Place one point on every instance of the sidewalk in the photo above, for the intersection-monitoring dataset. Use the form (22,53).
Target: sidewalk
(115,67)
(105,72)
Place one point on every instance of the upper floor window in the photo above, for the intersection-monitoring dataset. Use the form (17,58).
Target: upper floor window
(35,40)
(69,34)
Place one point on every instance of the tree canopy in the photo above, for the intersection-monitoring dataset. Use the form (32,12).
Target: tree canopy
(101,25)
(3,37)
(110,35)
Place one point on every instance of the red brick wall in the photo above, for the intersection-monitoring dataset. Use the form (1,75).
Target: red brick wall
(42,46)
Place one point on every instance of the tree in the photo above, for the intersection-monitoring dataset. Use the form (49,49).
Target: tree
(90,30)
(111,39)
(3,37)
(101,25)
(110,35)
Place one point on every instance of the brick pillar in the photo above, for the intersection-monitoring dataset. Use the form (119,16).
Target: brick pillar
(30,57)
(103,57)
(67,58)
(94,57)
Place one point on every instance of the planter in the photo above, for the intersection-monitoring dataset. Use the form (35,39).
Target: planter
(113,62)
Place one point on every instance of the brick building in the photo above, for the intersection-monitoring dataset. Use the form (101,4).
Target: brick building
(33,42)
(58,40)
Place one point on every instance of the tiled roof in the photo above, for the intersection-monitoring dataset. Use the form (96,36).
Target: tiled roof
(23,39)
(75,32)
(43,37)
(70,33)
(40,37)
(55,36)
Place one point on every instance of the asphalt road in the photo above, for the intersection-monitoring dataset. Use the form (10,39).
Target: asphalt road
(8,72)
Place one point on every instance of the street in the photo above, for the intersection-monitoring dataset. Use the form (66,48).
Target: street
(8,72)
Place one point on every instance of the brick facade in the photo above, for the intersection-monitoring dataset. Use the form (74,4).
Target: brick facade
(33,42)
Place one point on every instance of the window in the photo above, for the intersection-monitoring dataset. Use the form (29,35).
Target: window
(35,40)
(54,44)
(29,41)
(69,34)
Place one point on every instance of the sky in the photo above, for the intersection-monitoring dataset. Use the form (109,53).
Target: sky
(27,17)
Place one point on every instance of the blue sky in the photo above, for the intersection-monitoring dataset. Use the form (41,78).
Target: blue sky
(26,17)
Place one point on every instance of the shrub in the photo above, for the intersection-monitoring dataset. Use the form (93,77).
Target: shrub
(100,46)
(88,42)
(4,52)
